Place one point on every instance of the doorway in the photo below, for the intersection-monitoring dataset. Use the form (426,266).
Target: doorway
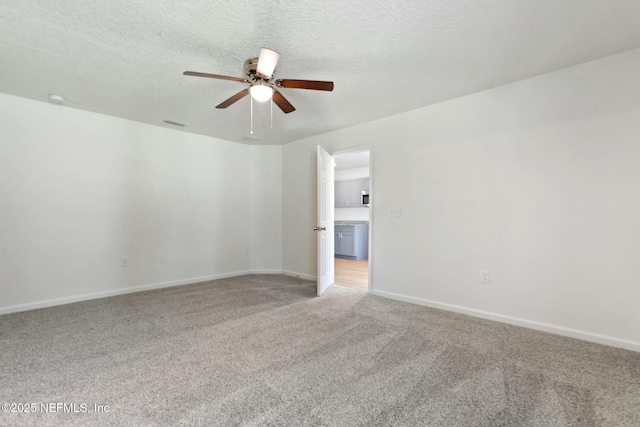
(352,218)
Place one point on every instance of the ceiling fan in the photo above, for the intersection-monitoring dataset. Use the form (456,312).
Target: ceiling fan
(262,87)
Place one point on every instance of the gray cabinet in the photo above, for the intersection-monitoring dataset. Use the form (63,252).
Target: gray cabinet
(341,194)
(348,192)
(348,243)
(355,192)
(351,241)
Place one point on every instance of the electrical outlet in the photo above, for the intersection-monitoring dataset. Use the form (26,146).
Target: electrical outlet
(124,262)
(164,259)
(485,277)
(396,212)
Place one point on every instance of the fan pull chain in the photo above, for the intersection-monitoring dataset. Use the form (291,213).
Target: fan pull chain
(252,115)
(271,112)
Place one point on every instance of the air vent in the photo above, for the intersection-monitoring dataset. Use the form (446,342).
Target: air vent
(175,122)
(251,138)
(56,99)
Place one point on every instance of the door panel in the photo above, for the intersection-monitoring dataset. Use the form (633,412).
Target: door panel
(325,223)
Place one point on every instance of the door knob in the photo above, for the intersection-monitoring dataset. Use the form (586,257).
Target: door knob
(319,228)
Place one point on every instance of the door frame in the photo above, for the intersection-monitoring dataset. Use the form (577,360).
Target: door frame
(368,148)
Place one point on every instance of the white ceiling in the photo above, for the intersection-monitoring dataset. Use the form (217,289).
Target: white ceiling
(126,57)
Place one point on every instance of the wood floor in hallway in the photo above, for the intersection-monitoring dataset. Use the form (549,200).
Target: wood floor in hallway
(354,274)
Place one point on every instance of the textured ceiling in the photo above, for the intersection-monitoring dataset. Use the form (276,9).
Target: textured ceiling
(126,57)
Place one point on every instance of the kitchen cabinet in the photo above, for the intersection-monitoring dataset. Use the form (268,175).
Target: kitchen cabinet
(348,192)
(345,243)
(355,192)
(341,194)
(351,241)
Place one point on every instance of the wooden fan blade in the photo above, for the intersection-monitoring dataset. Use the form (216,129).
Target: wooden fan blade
(234,98)
(282,102)
(215,76)
(305,84)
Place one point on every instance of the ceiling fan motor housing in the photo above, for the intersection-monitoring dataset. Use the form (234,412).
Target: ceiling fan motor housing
(250,69)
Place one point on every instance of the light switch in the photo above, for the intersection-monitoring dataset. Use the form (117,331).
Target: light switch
(485,277)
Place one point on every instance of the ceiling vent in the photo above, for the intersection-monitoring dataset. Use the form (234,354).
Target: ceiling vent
(175,122)
(56,99)
(251,138)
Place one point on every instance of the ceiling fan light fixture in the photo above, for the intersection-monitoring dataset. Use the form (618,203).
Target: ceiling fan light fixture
(261,92)
(267,62)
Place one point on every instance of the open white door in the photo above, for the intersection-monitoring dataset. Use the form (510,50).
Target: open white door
(324,227)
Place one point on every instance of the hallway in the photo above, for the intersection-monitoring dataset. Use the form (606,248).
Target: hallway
(353,274)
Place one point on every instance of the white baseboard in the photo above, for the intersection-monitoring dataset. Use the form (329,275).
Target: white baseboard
(558,330)
(265,272)
(121,291)
(300,275)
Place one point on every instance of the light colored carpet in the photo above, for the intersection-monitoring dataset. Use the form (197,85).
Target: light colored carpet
(262,350)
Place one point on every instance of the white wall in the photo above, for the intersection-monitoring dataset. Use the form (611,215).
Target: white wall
(537,181)
(266,208)
(79,191)
(351,214)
